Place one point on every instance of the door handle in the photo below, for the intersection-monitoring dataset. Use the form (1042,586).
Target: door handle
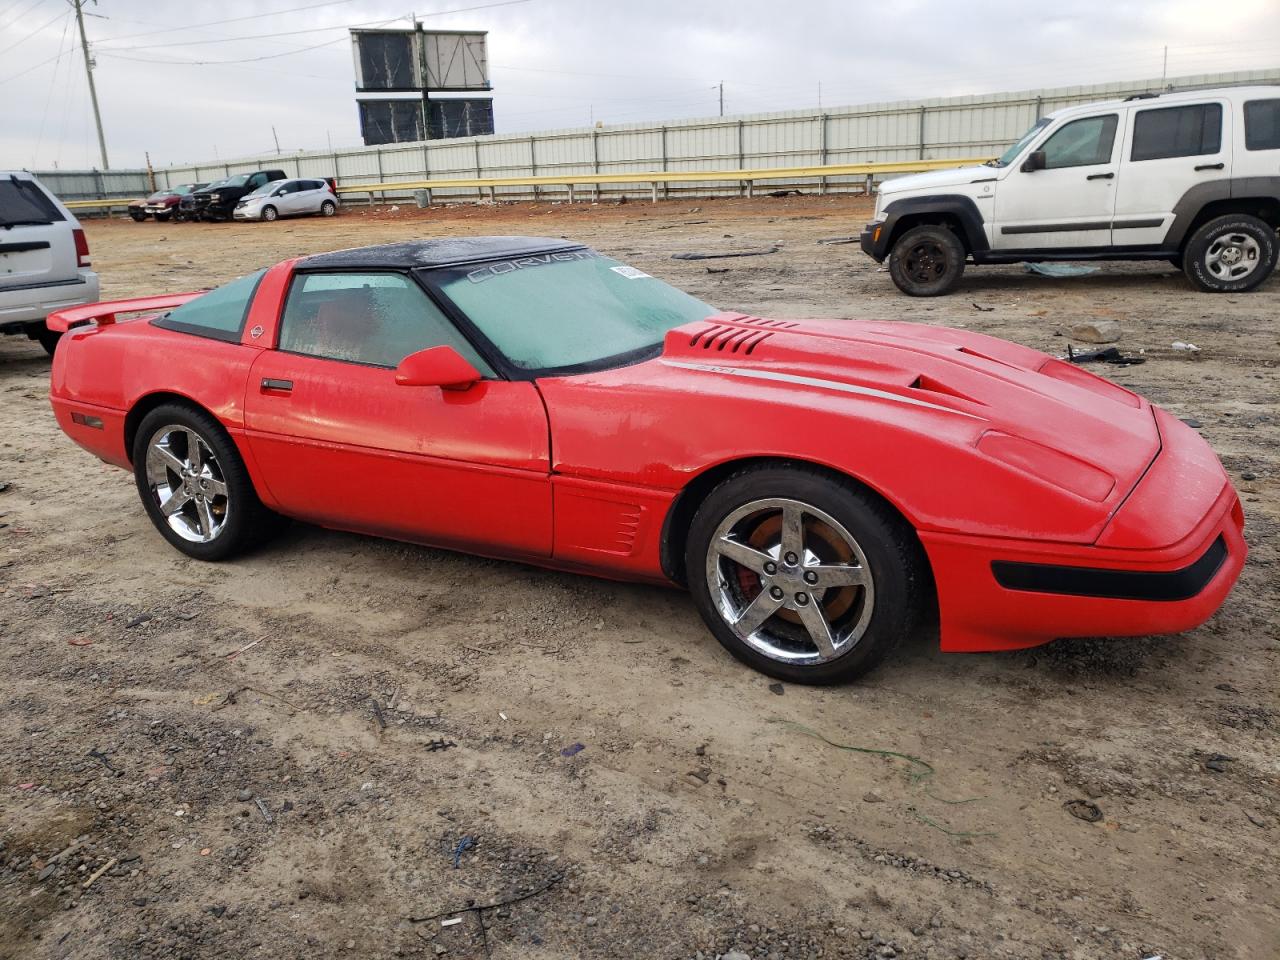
(281,386)
(1100,176)
(1211,166)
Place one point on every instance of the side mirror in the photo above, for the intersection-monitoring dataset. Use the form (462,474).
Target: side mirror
(441,367)
(279,193)
(1035,161)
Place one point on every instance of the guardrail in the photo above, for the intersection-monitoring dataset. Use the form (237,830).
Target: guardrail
(746,178)
(107,202)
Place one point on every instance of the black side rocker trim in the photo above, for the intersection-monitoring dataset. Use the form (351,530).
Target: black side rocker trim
(1172,585)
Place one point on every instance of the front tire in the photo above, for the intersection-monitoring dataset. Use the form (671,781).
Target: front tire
(926,261)
(269,213)
(162,217)
(1230,254)
(801,575)
(194,485)
(137,215)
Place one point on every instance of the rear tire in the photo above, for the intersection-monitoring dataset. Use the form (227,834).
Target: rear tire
(47,338)
(328,208)
(269,213)
(1230,254)
(194,485)
(802,575)
(926,261)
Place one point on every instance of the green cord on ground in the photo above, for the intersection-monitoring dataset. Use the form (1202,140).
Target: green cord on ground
(950,833)
(925,770)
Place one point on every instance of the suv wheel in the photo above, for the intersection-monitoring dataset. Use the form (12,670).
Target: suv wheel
(927,261)
(1230,254)
(47,338)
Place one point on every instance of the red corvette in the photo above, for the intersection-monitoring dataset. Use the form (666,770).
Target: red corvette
(816,484)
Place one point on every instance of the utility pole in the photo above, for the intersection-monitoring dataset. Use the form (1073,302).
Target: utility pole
(276,138)
(93,91)
(1164,71)
(721,85)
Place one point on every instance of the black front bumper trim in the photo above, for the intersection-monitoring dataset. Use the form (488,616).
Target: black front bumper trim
(1170,585)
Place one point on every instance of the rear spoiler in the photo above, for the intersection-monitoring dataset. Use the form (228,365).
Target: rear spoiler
(105,313)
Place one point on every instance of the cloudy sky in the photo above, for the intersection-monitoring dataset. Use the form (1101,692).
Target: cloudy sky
(194,81)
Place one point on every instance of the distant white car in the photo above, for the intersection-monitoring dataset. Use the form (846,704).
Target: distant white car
(288,198)
(44,258)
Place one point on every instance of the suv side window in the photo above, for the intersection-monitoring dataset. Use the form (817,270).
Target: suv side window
(1164,132)
(1262,125)
(1082,143)
(370,318)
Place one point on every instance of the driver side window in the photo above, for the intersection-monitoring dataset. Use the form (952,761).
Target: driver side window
(371,318)
(1082,143)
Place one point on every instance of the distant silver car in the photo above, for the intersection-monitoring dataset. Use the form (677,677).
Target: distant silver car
(288,198)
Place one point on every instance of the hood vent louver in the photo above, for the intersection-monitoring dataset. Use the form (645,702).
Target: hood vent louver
(923,382)
(727,339)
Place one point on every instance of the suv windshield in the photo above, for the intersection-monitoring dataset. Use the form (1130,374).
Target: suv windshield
(568,311)
(1011,154)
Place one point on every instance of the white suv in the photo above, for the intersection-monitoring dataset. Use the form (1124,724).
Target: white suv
(44,258)
(1190,177)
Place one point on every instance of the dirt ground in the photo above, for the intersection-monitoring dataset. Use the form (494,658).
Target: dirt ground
(212,735)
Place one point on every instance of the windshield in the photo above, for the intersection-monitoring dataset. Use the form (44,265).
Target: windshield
(555,312)
(183,189)
(265,189)
(218,183)
(239,180)
(1011,154)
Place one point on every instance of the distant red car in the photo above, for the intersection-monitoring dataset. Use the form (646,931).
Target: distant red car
(816,484)
(162,204)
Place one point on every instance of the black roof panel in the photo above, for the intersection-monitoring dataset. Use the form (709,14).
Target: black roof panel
(444,252)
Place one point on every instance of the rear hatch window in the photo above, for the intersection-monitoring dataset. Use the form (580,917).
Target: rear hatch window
(36,244)
(22,203)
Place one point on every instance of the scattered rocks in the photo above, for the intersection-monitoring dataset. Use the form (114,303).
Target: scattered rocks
(1093,331)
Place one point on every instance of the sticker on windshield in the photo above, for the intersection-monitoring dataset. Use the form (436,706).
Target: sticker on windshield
(631,273)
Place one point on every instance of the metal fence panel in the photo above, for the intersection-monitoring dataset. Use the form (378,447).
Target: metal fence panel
(937,128)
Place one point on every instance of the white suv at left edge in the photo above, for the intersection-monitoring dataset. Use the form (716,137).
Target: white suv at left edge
(288,198)
(44,258)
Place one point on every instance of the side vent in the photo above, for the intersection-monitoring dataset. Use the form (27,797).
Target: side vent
(729,339)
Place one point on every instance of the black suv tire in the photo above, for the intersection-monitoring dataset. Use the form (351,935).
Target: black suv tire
(1230,254)
(926,261)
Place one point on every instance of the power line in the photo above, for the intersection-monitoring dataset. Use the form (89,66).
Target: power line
(18,16)
(32,33)
(291,33)
(216,23)
(44,115)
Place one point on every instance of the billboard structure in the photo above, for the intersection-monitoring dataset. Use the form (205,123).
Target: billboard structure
(423,62)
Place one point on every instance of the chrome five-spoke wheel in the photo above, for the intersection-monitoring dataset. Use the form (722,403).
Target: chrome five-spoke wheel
(790,581)
(187,483)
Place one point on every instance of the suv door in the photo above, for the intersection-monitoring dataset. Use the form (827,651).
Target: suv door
(1170,151)
(1069,202)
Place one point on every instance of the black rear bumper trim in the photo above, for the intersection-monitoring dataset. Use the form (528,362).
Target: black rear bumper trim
(1169,585)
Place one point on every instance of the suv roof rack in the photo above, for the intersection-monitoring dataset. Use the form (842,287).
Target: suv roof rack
(1141,96)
